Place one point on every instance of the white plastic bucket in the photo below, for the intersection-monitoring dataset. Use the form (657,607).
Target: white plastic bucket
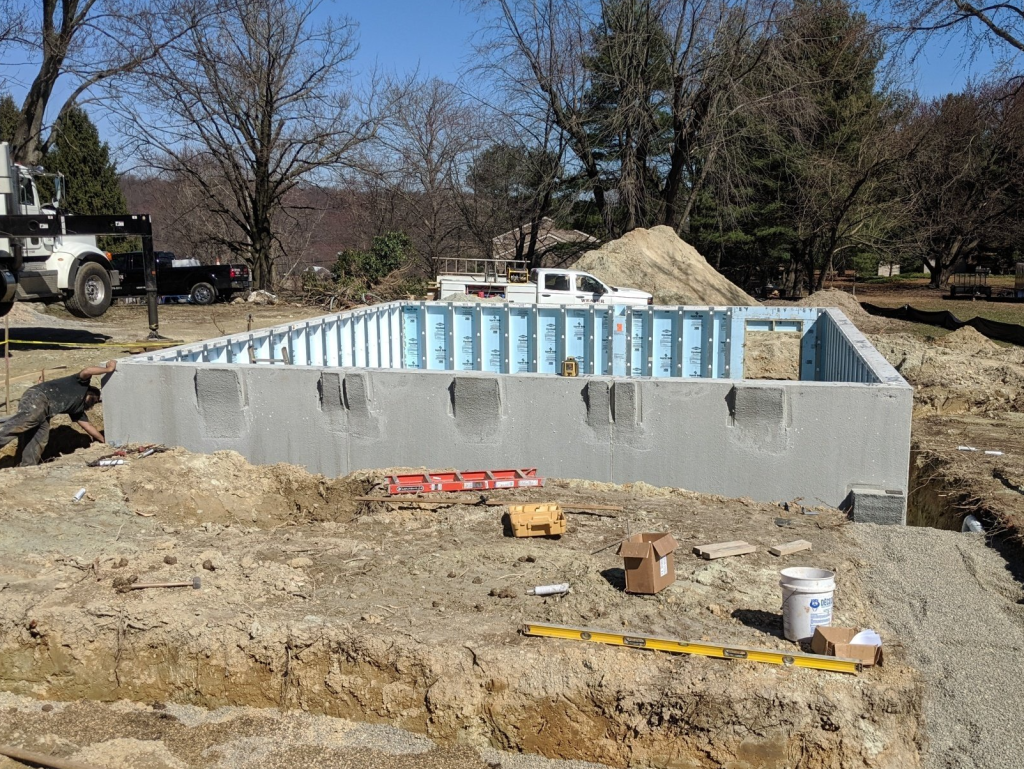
(806,601)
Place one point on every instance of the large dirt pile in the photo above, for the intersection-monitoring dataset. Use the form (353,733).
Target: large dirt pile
(658,261)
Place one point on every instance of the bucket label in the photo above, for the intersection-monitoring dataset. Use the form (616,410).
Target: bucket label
(821,612)
(663,565)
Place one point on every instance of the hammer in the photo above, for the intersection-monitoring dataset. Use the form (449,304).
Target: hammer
(195,584)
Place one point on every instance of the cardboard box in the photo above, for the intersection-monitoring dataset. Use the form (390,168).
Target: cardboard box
(649,562)
(537,520)
(835,642)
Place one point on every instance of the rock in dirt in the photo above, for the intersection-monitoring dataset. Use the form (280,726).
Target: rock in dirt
(660,262)
(262,297)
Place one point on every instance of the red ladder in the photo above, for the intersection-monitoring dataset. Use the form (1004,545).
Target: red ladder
(467,480)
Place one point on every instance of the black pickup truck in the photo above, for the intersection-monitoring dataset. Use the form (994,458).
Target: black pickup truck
(202,284)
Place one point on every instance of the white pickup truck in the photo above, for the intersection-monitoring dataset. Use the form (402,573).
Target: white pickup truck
(545,286)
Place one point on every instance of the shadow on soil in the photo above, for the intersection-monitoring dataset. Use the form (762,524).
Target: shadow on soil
(616,578)
(51,338)
(64,439)
(765,621)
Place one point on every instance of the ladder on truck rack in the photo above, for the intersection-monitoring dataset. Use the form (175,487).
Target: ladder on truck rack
(467,480)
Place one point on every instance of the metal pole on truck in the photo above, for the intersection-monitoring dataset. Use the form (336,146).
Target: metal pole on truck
(149,266)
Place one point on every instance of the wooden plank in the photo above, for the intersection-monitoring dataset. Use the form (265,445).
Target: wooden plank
(701,549)
(725,552)
(790,547)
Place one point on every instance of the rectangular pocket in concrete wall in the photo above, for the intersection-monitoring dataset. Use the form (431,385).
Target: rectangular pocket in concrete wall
(476,406)
(222,402)
(759,416)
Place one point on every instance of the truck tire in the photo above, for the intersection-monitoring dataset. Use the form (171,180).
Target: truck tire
(203,293)
(6,307)
(92,294)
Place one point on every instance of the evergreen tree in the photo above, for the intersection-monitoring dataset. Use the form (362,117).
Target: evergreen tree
(90,177)
(9,116)
(626,113)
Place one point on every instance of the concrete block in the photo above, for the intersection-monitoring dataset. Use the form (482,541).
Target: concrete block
(870,504)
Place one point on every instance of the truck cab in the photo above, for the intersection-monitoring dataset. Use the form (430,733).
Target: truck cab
(48,268)
(575,287)
(509,280)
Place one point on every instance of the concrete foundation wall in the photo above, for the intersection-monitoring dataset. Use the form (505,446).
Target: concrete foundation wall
(765,440)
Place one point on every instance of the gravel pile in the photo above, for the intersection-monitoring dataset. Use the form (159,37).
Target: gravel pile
(963,633)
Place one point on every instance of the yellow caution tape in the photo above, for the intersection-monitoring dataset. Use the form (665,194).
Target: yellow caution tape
(122,345)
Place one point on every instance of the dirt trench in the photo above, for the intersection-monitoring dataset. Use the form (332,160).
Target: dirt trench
(515,695)
(409,617)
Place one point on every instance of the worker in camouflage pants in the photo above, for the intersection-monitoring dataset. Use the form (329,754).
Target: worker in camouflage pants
(72,395)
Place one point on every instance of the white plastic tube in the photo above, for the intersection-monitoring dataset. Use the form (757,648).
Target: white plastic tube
(549,589)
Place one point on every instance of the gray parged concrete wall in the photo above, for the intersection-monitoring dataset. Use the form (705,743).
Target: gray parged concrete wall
(771,441)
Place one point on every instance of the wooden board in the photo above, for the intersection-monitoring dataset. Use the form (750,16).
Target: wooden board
(789,548)
(725,552)
(701,549)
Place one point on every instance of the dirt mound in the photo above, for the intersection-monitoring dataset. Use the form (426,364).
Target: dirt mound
(969,340)
(658,261)
(223,487)
(953,379)
(833,297)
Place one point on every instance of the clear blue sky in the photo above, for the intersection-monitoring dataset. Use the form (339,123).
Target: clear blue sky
(434,36)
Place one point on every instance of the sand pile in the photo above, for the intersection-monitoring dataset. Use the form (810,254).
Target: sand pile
(833,297)
(659,262)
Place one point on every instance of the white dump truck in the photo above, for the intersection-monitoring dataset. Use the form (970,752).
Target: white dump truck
(44,267)
(511,281)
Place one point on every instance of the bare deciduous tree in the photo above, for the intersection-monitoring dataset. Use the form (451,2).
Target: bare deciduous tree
(248,104)
(84,44)
(420,153)
(976,25)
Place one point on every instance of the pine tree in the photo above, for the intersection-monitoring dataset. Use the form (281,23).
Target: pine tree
(91,177)
(9,115)
(91,180)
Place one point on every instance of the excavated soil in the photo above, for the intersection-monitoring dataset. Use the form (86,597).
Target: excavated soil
(405,615)
(659,262)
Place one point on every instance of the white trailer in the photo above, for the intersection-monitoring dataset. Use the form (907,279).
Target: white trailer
(48,268)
